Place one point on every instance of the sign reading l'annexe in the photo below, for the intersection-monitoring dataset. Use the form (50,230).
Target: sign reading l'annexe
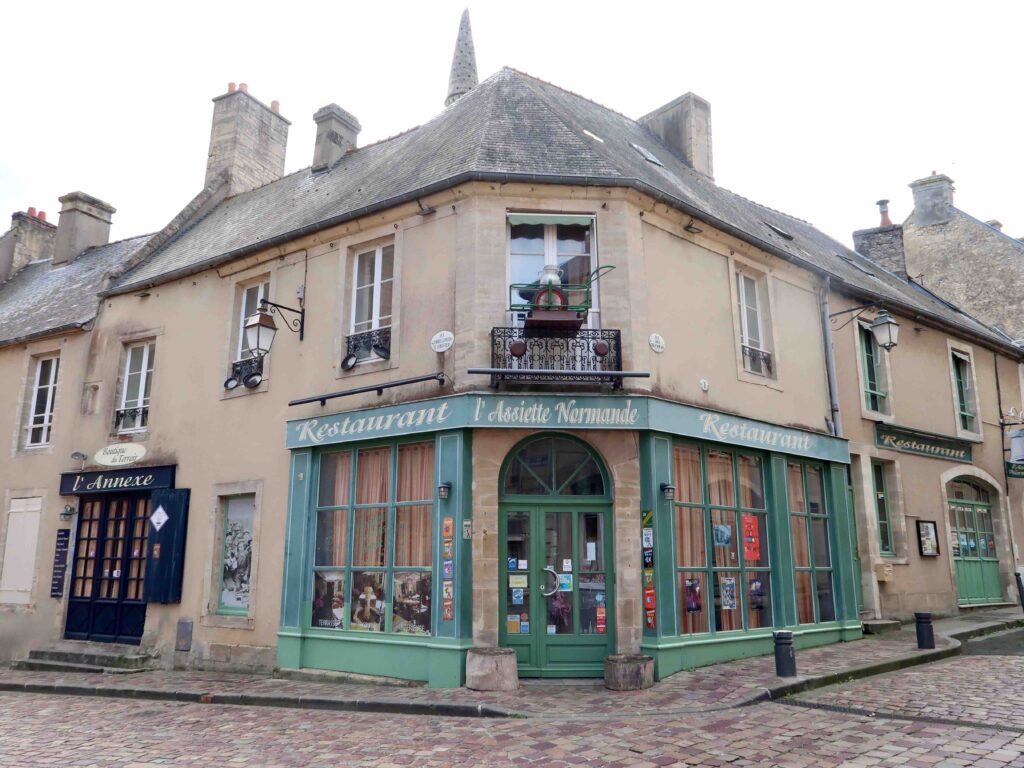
(117,480)
(558,412)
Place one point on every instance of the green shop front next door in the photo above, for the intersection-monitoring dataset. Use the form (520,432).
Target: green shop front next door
(555,589)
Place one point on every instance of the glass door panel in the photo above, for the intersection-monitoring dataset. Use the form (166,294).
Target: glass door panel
(558,573)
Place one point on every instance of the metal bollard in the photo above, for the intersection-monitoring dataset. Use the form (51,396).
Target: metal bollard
(925,631)
(785,658)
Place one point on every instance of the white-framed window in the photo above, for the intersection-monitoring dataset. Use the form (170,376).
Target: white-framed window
(373,275)
(133,413)
(19,552)
(754,346)
(39,425)
(250,302)
(536,241)
(965,396)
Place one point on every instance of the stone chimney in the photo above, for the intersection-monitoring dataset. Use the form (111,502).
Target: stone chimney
(336,132)
(463,77)
(685,125)
(84,223)
(933,198)
(247,140)
(883,245)
(29,239)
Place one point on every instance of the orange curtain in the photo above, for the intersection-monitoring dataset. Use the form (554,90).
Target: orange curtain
(413,525)
(416,472)
(720,486)
(373,475)
(686,469)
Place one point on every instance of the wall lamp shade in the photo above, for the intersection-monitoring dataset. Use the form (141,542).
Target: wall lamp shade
(886,330)
(260,330)
(444,490)
(668,491)
(1017,446)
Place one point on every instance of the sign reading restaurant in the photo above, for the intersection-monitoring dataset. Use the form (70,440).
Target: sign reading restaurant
(922,443)
(560,412)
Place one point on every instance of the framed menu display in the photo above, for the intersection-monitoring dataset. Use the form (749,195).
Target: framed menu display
(927,538)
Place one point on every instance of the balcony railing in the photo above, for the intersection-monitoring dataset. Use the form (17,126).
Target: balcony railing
(757,360)
(129,419)
(585,357)
(369,343)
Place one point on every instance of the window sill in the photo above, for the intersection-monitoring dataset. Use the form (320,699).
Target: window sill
(35,450)
(893,559)
(742,374)
(242,391)
(131,435)
(228,621)
(971,437)
(374,365)
(877,416)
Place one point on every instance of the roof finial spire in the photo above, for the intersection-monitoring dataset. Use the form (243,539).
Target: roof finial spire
(463,77)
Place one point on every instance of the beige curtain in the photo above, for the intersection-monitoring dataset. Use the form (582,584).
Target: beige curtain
(413,525)
(751,483)
(369,537)
(373,475)
(804,597)
(416,472)
(686,469)
(335,478)
(690,538)
(797,503)
(720,484)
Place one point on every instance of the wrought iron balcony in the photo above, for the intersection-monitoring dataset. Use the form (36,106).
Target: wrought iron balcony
(757,360)
(368,343)
(128,419)
(546,355)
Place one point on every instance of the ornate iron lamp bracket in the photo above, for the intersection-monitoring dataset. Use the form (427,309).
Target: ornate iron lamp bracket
(294,324)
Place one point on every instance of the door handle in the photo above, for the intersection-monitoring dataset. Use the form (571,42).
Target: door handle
(553,572)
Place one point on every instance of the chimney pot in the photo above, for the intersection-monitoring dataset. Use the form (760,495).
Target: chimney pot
(685,125)
(243,87)
(42,216)
(336,134)
(31,211)
(883,209)
(275,107)
(231,87)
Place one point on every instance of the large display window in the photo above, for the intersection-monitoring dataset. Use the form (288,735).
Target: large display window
(812,556)
(372,558)
(721,536)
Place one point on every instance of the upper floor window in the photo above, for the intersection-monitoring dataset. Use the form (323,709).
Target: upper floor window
(876,396)
(133,413)
(250,302)
(39,428)
(373,278)
(757,357)
(885,537)
(966,399)
(564,242)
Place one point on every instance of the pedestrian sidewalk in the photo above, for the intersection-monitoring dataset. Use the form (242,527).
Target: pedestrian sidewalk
(717,687)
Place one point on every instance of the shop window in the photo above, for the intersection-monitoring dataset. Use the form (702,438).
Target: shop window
(883,514)
(565,242)
(873,372)
(721,528)
(373,277)
(752,314)
(372,562)
(965,392)
(133,411)
(42,399)
(236,554)
(812,558)
(19,553)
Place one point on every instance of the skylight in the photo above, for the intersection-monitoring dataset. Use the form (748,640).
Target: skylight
(778,231)
(594,136)
(647,154)
(856,265)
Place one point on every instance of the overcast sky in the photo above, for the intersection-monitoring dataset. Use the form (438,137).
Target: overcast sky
(818,109)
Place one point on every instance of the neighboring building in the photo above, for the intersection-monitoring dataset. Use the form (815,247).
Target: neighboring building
(449,451)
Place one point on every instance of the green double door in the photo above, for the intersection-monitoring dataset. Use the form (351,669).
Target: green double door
(974,552)
(556,588)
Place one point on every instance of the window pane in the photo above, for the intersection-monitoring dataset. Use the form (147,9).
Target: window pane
(525,270)
(331,537)
(518,537)
(720,482)
(373,475)
(558,546)
(573,238)
(148,377)
(686,470)
(801,553)
(413,535)
(328,599)
(690,546)
(759,601)
(723,535)
(335,476)
(593,604)
(751,482)
(795,484)
(369,538)
(591,552)
(384,319)
(416,472)
(368,601)
(587,482)
(815,491)
(412,596)
(826,602)
(364,309)
(365,263)
(755,540)
(520,481)
(819,530)
(537,456)
(728,607)
(236,555)
(568,458)
(527,238)
(804,598)
(387,262)
(693,603)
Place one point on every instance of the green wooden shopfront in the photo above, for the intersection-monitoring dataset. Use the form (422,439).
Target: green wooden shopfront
(744,527)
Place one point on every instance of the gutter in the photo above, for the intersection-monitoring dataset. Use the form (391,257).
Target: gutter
(44,333)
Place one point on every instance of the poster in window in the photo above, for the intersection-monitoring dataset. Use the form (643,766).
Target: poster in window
(448,528)
(694,601)
(927,538)
(751,539)
(756,589)
(722,535)
(727,585)
(236,552)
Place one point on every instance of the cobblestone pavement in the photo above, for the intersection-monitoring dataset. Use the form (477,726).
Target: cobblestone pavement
(981,690)
(715,687)
(45,730)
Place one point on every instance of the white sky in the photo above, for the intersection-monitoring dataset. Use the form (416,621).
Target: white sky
(818,108)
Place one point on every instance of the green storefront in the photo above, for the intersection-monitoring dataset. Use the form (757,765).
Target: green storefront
(742,527)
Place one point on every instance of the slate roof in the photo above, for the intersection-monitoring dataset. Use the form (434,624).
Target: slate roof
(513,127)
(41,298)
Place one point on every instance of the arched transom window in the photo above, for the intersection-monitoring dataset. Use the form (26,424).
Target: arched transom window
(553,466)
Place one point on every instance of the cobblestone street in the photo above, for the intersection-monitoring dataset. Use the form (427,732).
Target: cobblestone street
(966,710)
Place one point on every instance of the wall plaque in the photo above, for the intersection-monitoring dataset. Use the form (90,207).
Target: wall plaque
(119,454)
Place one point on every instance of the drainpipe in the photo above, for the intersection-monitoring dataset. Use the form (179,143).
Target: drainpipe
(836,427)
(1006,474)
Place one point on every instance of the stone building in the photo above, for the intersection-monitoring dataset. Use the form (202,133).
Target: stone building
(537,382)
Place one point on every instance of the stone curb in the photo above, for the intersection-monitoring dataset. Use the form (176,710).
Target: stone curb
(444,709)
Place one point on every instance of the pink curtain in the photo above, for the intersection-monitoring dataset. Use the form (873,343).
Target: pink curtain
(686,469)
(373,475)
(413,525)
(751,483)
(416,472)
(720,486)
(690,537)
(369,538)
(335,478)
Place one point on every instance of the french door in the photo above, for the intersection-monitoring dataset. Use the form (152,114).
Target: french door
(108,575)
(974,552)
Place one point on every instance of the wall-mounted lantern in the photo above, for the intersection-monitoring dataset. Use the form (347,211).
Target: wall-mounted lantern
(886,330)
(668,491)
(444,490)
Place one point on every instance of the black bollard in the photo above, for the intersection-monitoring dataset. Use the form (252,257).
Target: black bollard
(785,658)
(925,632)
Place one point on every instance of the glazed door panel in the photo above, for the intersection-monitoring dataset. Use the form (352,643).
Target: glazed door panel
(974,553)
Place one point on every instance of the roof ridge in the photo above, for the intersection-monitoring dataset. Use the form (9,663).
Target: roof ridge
(572,93)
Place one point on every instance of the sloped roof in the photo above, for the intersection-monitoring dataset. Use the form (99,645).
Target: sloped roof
(515,127)
(41,298)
